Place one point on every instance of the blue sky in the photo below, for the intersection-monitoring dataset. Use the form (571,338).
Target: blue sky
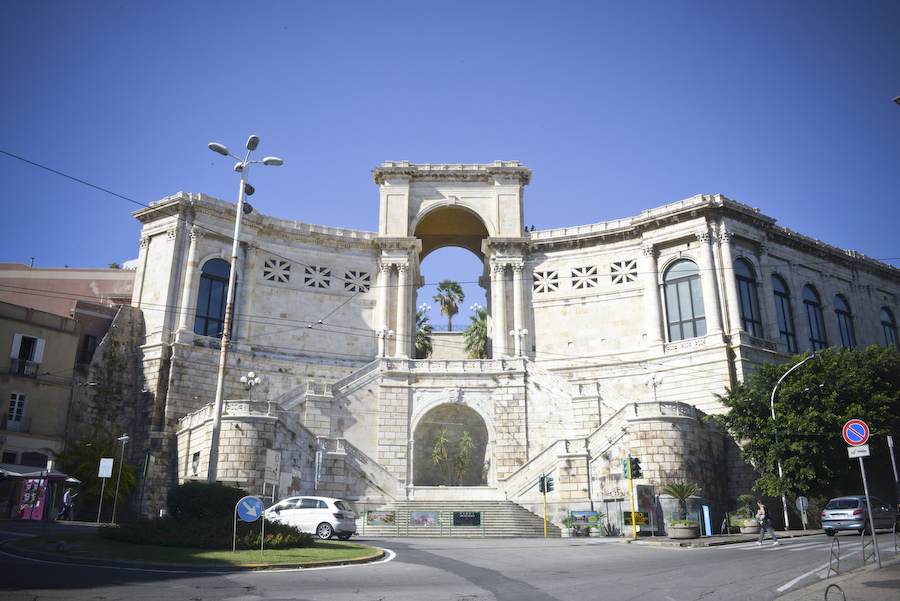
(617,107)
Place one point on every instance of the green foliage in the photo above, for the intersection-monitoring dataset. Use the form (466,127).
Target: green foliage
(114,266)
(681,491)
(206,534)
(199,500)
(476,335)
(424,343)
(811,406)
(82,461)
(455,463)
(685,523)
(440,453)
(449,295)
(747,500)
(463,456)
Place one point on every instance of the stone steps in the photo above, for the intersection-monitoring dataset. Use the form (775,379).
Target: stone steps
(498,519)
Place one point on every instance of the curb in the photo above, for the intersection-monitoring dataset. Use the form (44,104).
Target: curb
(183,567)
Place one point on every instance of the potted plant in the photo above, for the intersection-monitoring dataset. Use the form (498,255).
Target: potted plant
(682,527)
(750,526)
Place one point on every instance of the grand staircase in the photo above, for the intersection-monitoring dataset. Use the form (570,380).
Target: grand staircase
(498,519)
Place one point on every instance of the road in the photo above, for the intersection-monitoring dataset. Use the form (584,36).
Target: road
(467,570)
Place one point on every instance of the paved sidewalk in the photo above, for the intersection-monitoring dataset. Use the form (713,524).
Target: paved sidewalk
(865,584)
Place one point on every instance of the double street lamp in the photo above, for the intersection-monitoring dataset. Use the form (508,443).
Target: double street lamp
(243,167)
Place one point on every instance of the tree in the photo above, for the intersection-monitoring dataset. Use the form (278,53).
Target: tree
(449,295)
(476,335)
(440,454)
(424,343)
(811,406)
(681,491)
(463,456)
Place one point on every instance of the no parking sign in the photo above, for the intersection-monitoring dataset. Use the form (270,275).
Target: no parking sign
(855,432)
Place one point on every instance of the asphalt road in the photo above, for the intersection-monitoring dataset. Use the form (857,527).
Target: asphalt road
(469,570)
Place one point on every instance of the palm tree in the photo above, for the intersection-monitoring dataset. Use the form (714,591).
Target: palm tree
(449,295)
(476,335)
(424,344)
(681,491)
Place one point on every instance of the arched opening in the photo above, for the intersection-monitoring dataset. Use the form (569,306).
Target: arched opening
(451,250)
(450,422)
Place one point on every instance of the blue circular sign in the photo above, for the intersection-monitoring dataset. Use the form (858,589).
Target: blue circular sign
(249,509)
(856,432)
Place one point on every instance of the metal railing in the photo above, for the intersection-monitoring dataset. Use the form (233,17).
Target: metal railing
(16,425)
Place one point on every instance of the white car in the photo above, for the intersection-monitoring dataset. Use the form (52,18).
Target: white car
(322,516)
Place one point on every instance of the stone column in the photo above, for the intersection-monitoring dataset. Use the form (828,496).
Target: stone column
(653,315)
(519,304)
(244,308)
(767,296)
(188,299)
(403,333)
(708,283)
(731,293)
(501,330)
(384,298)
(799,307)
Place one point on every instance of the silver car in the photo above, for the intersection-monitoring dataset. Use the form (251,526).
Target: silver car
(850,513)
(322,516)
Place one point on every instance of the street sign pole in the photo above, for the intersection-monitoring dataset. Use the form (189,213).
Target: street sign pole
(890,440)
(862,468)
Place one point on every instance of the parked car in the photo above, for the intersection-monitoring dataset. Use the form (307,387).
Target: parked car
(322,516)
(850,513)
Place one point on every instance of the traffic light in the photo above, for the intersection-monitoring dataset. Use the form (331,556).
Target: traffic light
(635,467)
(542,484)
(626,473)
(549,484)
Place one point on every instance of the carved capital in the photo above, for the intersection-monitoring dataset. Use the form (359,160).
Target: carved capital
(197,234)
(649,251)
(725,236)
(703,236)
(145,241)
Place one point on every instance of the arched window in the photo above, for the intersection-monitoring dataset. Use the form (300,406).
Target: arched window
(684,301)
(889,327)
(749,303)
(785,314)
(817,339)
(210,319)
(844,321)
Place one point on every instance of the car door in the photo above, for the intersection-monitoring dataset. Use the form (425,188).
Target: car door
(306,514)
(881,513)
(285,511)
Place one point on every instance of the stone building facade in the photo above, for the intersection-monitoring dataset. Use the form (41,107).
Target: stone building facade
(604,339)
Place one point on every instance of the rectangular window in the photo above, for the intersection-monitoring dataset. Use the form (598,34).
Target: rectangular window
(15,415)
(26,354)
(87,349)
(8,457)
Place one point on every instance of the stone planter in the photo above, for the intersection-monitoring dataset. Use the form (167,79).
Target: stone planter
(750,527)
(683,531)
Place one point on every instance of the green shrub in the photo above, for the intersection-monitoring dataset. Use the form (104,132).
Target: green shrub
(206,534)
(199,500)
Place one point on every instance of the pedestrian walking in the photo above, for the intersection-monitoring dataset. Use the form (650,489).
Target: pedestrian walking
(68,502)
(762,516)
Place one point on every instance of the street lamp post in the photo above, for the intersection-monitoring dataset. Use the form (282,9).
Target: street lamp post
(243,167)
(124,440)
(654,382)
(383,334)
(250,380)
(518,334)
(772,406)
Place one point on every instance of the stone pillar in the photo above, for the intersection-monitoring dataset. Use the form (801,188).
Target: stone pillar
(188,298)
(384,298)
(653,315)
(519,305)
(799,307)
(403,331)
(767,297)
(501,330)
(732,300)
(245,312)
(708,283)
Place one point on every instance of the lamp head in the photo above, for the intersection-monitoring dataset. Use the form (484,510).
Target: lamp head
(218,148)
(239,167)
(253,142)
(274,161)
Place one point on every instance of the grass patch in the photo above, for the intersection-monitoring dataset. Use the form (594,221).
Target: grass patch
(90,545)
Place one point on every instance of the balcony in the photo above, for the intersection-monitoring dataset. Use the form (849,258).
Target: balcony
(25,368)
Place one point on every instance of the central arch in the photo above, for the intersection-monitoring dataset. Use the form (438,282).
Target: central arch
(453,419)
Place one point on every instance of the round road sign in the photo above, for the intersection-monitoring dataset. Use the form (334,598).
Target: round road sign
(249,509)
(855,432)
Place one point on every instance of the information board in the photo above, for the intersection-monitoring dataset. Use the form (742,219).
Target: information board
(637,518)
(467,518)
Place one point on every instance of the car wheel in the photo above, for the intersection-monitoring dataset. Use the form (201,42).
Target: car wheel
(866,528)
(345,535)
(830,532)
(324,531)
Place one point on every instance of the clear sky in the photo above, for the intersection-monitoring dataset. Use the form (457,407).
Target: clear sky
(617,107)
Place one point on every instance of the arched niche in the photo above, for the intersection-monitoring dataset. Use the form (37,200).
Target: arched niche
(455,419)
(450,226)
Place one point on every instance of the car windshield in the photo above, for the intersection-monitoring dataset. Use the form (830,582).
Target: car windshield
(843,504)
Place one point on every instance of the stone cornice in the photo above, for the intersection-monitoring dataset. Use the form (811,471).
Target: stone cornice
(491,172)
